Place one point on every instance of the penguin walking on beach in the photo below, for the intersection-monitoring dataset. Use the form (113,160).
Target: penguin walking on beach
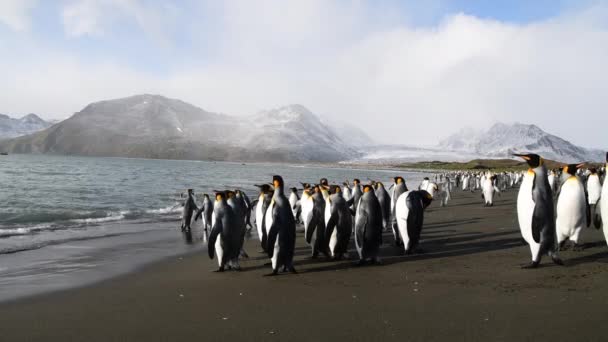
(261,207)
(409,210)
(189,209)
(553,180)
(315,233)
(385,204)
(535,211)
(225,236)
(339,225)
(249,209)
(241,204)
(206,213)
(368,226)
(397,190)
(282,232)
(488,188)
(572,214)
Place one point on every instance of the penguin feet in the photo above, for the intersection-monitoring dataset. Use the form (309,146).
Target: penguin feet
(274,273)
(293,270)
(557,260)
(221,269)
(244,254)
(376,261)
(533,264)
(578,248)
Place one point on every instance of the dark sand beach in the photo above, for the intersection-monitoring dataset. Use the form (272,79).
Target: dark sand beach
(467,286)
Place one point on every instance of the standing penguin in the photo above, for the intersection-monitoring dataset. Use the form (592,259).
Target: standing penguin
(488,189)
(225,236)
(206,212)
(410,217)
(238,201)
(368,226)
(293,203)
(399,188)
(572,214)
(282,232)
(356,193)
(604,204)
(594,192)
(307,207)
(535,211)
(262,204)
(249,208)
(189,208)
(385,204)
(339,225)
(315,234)
(553,179)
(346,192)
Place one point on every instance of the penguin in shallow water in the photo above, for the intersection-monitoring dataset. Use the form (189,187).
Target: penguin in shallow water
(535,211)
(368,226)
(339,225)
(261,207)
(189,209)
(410,208)
(571,214)
(282,232)
(225,236)
(385,204)
(205,212)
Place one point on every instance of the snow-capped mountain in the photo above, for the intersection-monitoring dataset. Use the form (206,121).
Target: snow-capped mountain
(501,140)
(11,128)
(153,126)
(350,134)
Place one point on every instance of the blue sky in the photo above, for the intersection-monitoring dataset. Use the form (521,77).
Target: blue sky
(458,62)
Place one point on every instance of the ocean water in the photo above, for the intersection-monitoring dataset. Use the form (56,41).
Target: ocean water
(56,212)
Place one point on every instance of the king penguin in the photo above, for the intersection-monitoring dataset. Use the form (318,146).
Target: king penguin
(368,226)
(571,214)
(356,193)
(293,202)
(282,232)
(261,206)
(385,204)
(535,211)
(399,188)
(189,209)
(315,234)
(594,192)
(225,236)
(339,225)
(409,210)
(604,204)
(206,213)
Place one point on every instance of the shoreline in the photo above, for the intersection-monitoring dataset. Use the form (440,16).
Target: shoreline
(467,284)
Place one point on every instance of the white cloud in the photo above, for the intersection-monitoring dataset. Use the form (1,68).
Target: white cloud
(349,61)
(15,14)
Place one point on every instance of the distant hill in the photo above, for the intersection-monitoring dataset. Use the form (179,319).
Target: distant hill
(501,140)
(153,126)
(11,128)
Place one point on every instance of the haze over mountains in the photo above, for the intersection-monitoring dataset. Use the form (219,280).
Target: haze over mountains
(153,126)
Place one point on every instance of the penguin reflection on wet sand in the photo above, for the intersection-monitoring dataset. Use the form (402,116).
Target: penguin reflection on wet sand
(225,237)
(189,209)
(282,232)
(535,211)
(368,226)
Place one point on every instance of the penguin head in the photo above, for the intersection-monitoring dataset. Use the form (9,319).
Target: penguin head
(533,160)
(399,180)
(229,194)
(356,181)
(593,170)
(334,189)
(571,169)
(368,188)
(427,198)
(219,195)
(294,190)
(324,182)
(206,196)
(190,191)
(305,185)
(378,185)
(277,181)
(264,188)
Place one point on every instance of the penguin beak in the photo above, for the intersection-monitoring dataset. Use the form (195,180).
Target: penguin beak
(523,156)
(580,165)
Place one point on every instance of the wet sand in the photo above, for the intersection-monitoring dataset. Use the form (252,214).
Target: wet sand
(467,286)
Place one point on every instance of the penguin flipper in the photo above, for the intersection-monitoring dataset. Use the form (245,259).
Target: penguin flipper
(215,231)
(415,217)
(199,214)
(588,213)
(597,218)
(331,224)
(312,225)
(350,201)
(272,236)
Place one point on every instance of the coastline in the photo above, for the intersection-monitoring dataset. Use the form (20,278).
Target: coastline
(467,285)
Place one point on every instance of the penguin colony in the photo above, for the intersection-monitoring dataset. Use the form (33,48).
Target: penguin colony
(553,207)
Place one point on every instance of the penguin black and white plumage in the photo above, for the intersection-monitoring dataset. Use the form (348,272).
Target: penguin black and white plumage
(238,201)
(249,209)
(356,193)
(535,211)
(397,190)
(385,204)
(553,180)
(293,202)
(594,192)
(346,192)
(488,189)
(189,209)
(339,225)
(225,237)
(571,214)
(315,233)
(603,220)
(261,207)
(368,226)
(409,210)
(306,204)
(205,212)
(282,232)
